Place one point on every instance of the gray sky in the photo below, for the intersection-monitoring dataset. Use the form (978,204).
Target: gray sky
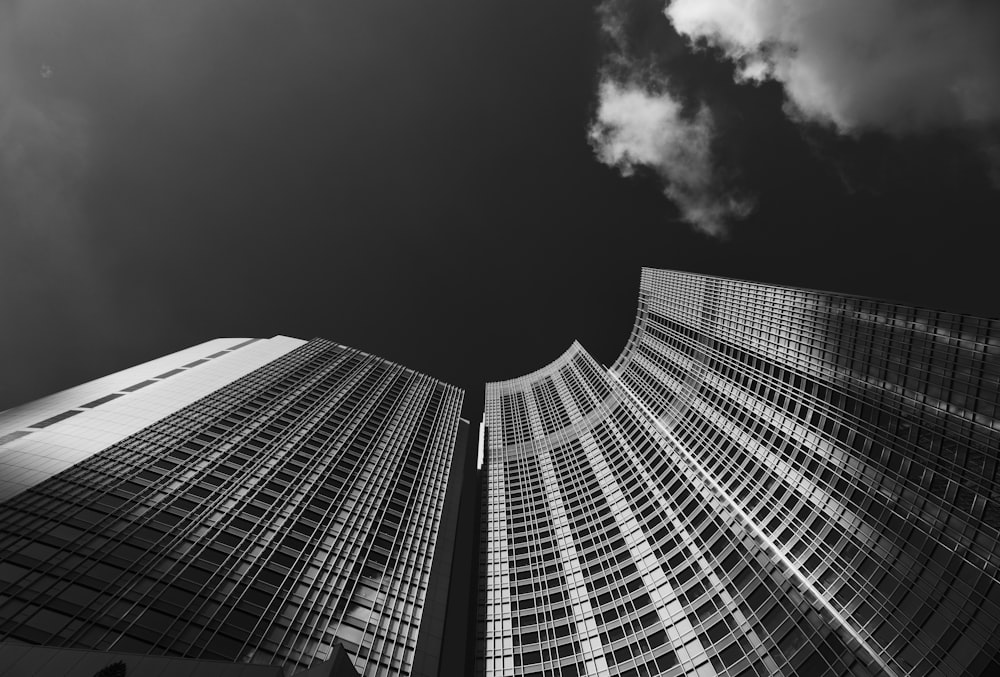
(422,181)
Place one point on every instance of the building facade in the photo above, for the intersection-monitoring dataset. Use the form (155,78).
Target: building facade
(263,502)
(767,481)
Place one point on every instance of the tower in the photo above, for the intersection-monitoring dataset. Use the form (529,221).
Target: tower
(272,503)
(767,481)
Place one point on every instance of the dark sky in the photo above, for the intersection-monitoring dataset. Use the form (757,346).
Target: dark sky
(413,179)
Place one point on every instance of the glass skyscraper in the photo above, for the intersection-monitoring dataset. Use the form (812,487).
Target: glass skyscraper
(257,502)
(767,481)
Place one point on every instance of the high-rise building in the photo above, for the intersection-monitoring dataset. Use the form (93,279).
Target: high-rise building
(255,502)
(767,481)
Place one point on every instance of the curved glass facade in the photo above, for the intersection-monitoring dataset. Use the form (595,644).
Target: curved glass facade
(767,481)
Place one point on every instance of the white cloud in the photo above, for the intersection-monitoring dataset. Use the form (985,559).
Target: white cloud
(899,66)
(641,122)
(636,126)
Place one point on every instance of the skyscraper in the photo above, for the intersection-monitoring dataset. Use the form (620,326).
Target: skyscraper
(263,502)
(767,481)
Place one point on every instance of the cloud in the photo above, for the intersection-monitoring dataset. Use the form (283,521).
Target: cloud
(640,122)
(636,126)
(898,66)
